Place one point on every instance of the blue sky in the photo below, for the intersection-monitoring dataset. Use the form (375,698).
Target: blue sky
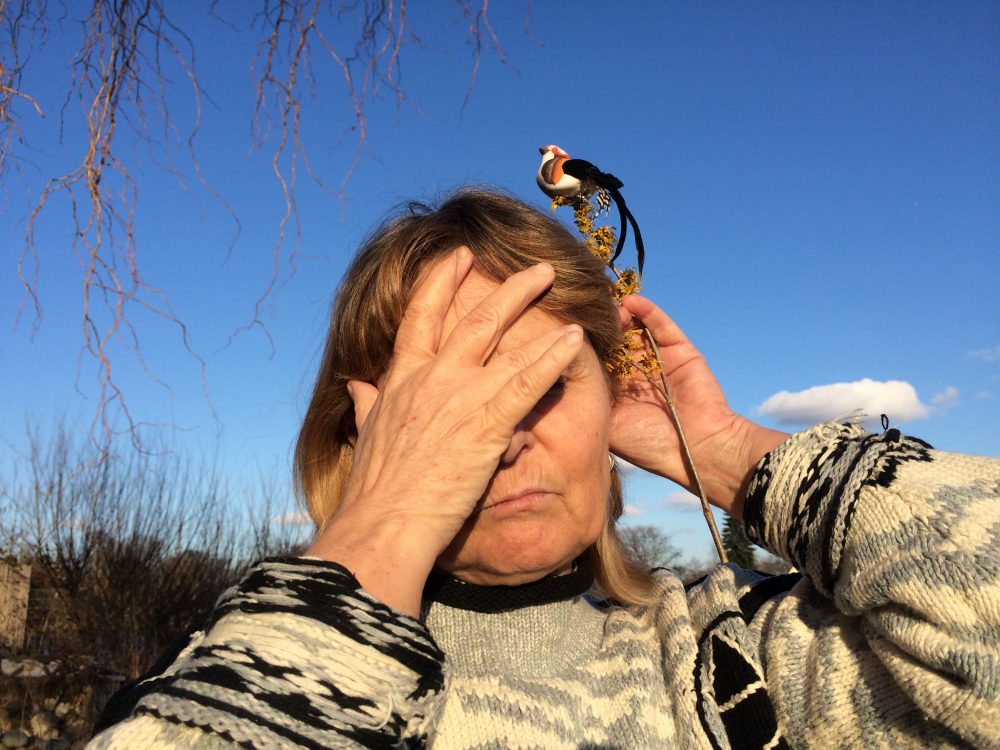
(818,186)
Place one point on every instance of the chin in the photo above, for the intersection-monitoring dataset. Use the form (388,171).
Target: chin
(515,554)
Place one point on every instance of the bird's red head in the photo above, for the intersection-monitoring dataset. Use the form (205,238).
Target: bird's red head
(556,151)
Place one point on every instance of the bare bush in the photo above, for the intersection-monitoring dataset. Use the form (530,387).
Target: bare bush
(127,551)
(651,547)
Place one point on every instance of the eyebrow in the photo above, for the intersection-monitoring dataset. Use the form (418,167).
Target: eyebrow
(576,365)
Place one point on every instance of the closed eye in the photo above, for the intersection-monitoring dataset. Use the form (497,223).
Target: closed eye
(556,390)
(550,400)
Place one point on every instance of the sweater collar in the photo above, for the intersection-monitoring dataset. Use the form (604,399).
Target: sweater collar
(450,591)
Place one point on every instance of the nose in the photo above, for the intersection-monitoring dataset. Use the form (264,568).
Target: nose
(522,439)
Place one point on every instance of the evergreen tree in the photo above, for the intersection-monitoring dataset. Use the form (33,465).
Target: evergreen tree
(738,547)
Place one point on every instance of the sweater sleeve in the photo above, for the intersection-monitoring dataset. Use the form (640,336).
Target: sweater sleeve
(905,541)
(296,655)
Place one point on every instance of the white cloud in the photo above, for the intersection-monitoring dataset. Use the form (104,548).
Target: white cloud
(682,500)
(896,398)
(944,399)
(990,354)
(632,510)
(295,518)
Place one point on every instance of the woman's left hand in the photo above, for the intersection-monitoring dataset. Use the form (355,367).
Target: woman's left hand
(725,446)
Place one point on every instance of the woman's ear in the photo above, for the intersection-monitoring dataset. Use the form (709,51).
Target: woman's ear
(363,396)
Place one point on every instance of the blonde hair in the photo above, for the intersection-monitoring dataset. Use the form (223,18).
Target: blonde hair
(505,236)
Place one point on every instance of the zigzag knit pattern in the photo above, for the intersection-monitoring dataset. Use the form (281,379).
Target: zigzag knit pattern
(890,637)
(298,655)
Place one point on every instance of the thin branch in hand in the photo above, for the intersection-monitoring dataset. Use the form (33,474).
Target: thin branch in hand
(664,388)
(600,241)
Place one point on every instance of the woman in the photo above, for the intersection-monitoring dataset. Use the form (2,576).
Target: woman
(455,457)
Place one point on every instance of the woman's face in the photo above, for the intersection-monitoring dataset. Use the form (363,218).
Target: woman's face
(547,501)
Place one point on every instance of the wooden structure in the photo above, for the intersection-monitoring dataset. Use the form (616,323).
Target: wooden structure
(15,584)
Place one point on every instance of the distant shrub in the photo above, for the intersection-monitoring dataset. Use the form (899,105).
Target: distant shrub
(127,550)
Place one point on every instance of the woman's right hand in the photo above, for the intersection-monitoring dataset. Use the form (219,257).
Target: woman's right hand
(431,434)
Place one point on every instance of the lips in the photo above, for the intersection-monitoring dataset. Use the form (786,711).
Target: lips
(521,497)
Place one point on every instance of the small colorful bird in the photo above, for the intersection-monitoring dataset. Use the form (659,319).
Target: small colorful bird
(556,183)
(561,176)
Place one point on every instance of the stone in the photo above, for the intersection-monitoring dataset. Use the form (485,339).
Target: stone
(45,725)
(9,667)
(5,722)
(32,668)
(56,744)
(53,666)
(62,709)
(15,738)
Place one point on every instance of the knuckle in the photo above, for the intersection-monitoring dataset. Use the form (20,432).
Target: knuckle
(517,359)
(484,320)
(417,311)
(523,384)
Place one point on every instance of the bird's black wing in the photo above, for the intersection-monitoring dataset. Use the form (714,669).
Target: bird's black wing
(588,174)
(584,170)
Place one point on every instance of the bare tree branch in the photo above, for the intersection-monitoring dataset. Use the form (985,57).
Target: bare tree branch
(120,59)
(481,29)
(121,81)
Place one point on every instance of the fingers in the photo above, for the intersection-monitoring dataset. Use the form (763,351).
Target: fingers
(528,352)
(363,395)
(527,386)
(419,332)
(664,330)
(477,333)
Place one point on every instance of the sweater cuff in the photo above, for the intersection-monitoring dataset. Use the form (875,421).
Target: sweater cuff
(801,499)
(299,654)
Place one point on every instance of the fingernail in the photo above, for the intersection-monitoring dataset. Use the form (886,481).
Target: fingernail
(350,390)
(463,259)
(543,269)
(573,332)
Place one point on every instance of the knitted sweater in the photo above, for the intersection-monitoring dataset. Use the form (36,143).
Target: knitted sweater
(891,638)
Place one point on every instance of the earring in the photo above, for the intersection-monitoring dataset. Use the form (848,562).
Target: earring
(611,461)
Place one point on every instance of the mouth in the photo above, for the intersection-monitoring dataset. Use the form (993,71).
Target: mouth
(521,499)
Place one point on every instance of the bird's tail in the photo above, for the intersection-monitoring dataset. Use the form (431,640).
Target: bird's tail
(626,219)
(640,250)
(623,214)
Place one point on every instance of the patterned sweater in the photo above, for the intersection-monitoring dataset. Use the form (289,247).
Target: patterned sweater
(890,638)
